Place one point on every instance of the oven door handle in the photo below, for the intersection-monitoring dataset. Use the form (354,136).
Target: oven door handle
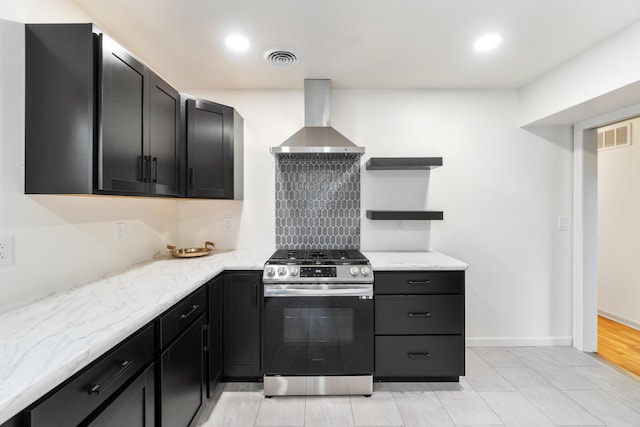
(321,290)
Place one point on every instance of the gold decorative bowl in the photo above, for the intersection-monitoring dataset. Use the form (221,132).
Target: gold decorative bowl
(190,252)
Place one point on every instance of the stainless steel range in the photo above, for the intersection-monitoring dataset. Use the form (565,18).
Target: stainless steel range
(318,324)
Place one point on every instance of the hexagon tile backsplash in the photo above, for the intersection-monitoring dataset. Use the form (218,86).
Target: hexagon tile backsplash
(317,204)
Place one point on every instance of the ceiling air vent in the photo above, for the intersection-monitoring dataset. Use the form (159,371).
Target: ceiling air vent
(281,57)
(613,136)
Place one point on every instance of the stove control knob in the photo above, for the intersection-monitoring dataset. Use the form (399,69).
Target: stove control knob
(282,271)
(354,271)
(365,271)
(271,271)
(294,271)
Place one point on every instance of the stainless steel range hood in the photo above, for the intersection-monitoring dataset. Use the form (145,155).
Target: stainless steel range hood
(317,138)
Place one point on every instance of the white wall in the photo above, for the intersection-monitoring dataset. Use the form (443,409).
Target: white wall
(619,231)
(501,189)
(60,241)
(601,79)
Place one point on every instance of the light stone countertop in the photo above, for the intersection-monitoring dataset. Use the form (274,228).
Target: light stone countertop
(397,261)
(45,342)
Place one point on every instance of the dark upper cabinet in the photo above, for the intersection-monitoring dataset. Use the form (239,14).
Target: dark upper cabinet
(97,120)
(123,117)
(164,129)
(242,308)
(214,150)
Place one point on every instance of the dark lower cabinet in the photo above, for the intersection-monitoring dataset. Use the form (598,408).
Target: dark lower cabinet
(242,307)
(119,383)
(161,375)
(133,407)
(419,326)
(214,346)
(181,373)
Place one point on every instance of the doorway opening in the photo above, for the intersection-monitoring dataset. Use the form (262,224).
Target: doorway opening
(618,236)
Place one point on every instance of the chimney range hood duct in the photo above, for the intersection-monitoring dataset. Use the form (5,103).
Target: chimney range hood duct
(317,139)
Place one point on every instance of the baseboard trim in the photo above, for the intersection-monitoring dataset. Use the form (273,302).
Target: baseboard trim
(622,320)
(518,341)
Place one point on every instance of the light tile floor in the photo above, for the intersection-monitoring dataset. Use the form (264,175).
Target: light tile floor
(504,386)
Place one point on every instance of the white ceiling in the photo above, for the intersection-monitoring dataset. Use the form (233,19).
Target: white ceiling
(359,43)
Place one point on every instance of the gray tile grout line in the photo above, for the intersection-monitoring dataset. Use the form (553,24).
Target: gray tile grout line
(393,396)
(518,390)
(554,386)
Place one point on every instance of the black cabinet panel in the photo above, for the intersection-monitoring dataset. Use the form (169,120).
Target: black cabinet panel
(133,407)
(123,138)
(164,127)
(16,421)
(178,317)
(90,389)
(182,377)
(419,282)
(419,356)
(419,314)
(59,108)
(97,119)
(419,325)
(214,150)
(242,299)
(215,333)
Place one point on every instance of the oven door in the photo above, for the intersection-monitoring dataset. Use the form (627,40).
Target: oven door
(324,329)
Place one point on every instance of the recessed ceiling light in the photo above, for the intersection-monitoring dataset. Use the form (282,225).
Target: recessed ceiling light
(488,42)
(237,42)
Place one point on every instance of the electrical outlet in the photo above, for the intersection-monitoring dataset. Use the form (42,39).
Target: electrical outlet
(227,224)
(120,231)
(6,249)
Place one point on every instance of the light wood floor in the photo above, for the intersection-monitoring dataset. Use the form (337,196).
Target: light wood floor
(619,344)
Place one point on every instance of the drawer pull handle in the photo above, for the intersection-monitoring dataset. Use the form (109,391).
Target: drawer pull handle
(418,282)
(193,310)
(122,368)
(418,355)
(425,314)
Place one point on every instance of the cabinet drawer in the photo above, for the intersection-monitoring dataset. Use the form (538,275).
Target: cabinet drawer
(419,314)
(419,356)
(419,282)
(174,320)
(72,403)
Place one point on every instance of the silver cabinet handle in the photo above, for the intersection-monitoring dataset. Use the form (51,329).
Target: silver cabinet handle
(423,355)
(425,314)
(123,367)
(193,309)
(418,282)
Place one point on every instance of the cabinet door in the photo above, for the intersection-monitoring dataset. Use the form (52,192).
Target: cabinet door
(59,108)
(241,322)
(182,377)
(133,407)
(209,150)
(164,114)
(215,333)
(123,139)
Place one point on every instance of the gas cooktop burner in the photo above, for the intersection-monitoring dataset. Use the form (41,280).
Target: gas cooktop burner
(316,256)
(313,265)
